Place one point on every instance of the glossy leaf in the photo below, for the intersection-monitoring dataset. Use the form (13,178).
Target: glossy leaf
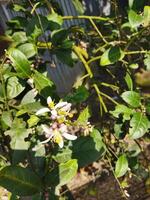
(7,118)
(20,181)
(80,95)
(63,173)
(132,98)
(43,84)
(135,20)
(146,16)
(111,56)
(84,116)
(139,125)
(28,49)
(121,166)
(92,146)
(18,87)
(20,62)
(129,81)
(55,21)
(58,36)
(19,37)
(124,110)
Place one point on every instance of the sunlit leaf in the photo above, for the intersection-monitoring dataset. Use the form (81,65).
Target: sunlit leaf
(18,87)
(135,20)
(139,125)
(20,62)
(111,56)
(62,174)
(28,49)
(121,166)
(132,98)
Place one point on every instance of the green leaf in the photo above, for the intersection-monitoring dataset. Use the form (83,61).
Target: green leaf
(63,173)
(139,125)
(122,109)
(30,108)
(18,133)
(20,181)
(134,66)
(7,118)
(135,20)
(121,166)
(132,98)
(55,21)
(43,84)
(29,97)
(63,156)
(147,61)
(79,7)
(111,56)
(18,87)
(17,7)
(129,81)
(58,36)
(33,120)
(92,146)
(28,49)
(19,146)
(88,149)
(146,16)
(19,37)
(84,116)
(20,62)
(66,56)
(80,95)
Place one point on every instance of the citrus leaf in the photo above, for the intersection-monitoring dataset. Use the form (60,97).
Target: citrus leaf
(111,56)
(20,62)
(135,20)
(84,116)
(132,98)
(146,16)
(43,84)
(63,173)
(20,181)
(121,166)
(28,49)
(18,87)
(139,125)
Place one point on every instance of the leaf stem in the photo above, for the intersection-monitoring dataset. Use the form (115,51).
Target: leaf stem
(87,67)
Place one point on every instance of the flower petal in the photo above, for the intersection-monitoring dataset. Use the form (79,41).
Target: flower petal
(53,114)
(49,100)
(67,107)
(48,131)
(63,128)
(61,104)
(42,111)
(69,136)
(61,144)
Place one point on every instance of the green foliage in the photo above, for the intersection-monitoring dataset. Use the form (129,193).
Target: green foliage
(111,56)
(110,110)
(19,180)
(121,166)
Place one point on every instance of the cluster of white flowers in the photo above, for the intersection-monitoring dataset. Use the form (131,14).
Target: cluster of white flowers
(58,128)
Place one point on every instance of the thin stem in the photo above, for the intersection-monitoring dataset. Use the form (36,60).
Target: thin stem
(108,97)
(100,98)
(87,67)
(85,17)
(122,191)
(136,52)
(94,59)
(3,83)
(98,31)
